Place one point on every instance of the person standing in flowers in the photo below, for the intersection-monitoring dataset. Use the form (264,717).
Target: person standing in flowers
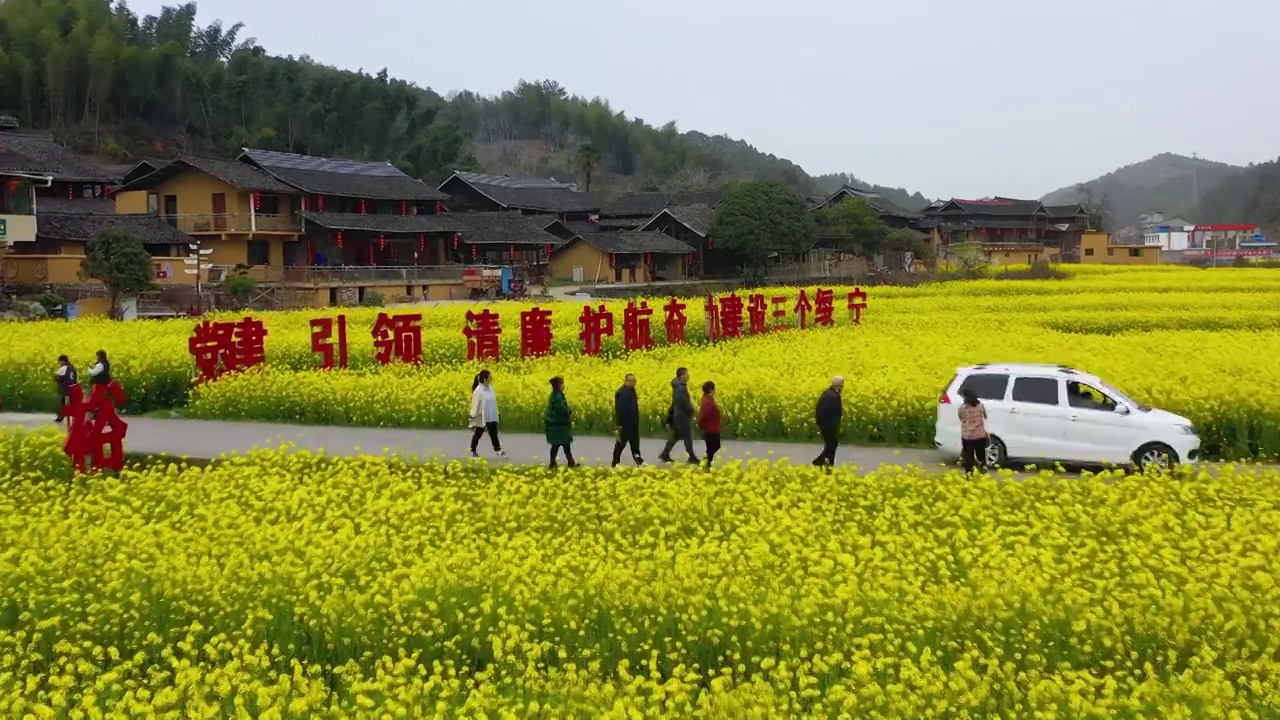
(973,432)
(100,371)
(828,415)
(559,423)
(66,378)
(680,418)
(626,417)
(709,421)
(484,413)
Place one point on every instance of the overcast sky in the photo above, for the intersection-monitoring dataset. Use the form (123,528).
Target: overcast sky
(964,99)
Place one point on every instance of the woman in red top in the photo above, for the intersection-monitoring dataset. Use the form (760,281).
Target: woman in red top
(709,420)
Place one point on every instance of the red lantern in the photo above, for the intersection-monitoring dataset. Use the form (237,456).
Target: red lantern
(382,241)
(455,241)
(71,192)
(549,249)
(612,260)
(648,258)
(511,251)
(338,238)
(319,203)
(404,207)
(474,252)
(257,201)
(364,207)
(422,242)
(439,207)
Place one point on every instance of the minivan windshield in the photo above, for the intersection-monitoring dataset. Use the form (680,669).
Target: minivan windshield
(1110,390)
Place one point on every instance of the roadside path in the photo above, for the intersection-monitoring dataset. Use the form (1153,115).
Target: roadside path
(211,439)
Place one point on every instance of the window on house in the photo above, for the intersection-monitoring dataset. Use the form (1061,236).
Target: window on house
(259,252)
(1135,252)
(1111,251)
(17,197)
(153,203)
(1088,252)
(268,205)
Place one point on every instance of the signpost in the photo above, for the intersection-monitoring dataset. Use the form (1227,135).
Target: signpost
(196,266)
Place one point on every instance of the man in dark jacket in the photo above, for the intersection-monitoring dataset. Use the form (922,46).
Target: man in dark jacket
(626,417)
(830,411)
(681,414)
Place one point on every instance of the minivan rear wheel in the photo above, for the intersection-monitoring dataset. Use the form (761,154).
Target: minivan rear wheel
(1157,456)
(997,454)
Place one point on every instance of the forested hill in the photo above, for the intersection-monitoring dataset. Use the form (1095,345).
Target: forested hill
(1171,183)
(120,86)
(1249,196)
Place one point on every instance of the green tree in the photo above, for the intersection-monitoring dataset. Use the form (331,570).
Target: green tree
(118,259)
(856,224)
(757,218)
(588,161)
(906,240)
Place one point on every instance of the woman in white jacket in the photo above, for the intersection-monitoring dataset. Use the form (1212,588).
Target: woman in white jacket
(484,413)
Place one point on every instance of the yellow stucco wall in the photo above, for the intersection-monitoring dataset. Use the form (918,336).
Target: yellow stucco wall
(133,202)
(1096,249)
(65,270)
(582,254)
(1021,256)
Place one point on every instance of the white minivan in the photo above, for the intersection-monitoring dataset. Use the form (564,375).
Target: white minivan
(1038,413)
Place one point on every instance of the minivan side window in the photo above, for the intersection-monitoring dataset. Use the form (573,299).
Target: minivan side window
(1040,391)
(987,386)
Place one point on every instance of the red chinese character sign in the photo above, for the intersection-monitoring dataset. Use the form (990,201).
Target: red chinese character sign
(95,438)
(535,333)
(219,347)
(482,332)
(222,347)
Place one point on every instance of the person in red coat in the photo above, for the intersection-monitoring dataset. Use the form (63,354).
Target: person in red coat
(709,421)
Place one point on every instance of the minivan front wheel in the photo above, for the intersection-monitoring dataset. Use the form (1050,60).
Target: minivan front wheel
(997,454)
(1156,456)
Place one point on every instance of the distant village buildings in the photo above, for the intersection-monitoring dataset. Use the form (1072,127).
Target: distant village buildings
(326,231)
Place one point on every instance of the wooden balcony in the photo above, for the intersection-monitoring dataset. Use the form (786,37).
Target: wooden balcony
(237,223)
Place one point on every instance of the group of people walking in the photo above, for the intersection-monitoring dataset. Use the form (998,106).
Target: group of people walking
(681,418)
(66,377)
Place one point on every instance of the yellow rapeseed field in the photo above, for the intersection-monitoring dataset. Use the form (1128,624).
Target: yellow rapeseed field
(298,586)
(1203,343)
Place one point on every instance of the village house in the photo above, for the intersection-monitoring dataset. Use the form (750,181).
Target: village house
(67,209)
(478,192)
(892,215)
(635,210)
(622,256)
(1010,231)
(1100,248)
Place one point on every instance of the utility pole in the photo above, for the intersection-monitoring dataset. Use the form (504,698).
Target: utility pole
(196,266)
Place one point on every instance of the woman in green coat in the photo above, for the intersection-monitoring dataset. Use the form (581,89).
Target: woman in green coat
(559,425)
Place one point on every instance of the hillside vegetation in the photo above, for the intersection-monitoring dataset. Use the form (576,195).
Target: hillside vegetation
(122,86)
(1172,183)
(1250,196)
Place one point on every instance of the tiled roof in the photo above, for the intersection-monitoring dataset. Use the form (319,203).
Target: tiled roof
(882,205)
(143,168)
(584,226)
(386,223)
(524,193)
(652,203)
(43,154)
(346,178)
(1064,211)
(77,206)
(149,229)
(622,223)
(238,175)
(697,218)
(506,228)
(635,242)
(994,206)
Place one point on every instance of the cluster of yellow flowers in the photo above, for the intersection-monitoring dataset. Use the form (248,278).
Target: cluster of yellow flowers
(298,586)
(1202,343)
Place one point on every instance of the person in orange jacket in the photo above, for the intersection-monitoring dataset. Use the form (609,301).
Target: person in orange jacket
(709,420)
